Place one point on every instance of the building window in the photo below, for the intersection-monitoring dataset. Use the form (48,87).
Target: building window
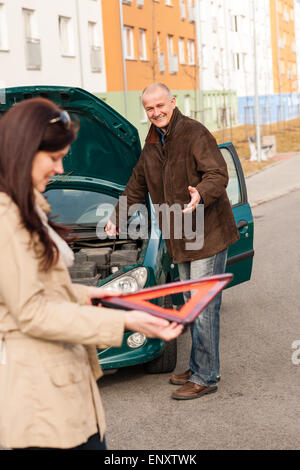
(142,44)
(170,45)
(182,10)
(236,61)
(92,33)
(234,24)
(32,42)
(158,44)
(191,51)
(214,24)
(128,41)
(279,7)
(172,58)
(94,45)
(30,24)
(281,42)
(127,2)
(143,114)
(286,15)
(191,8)
(187,106)
(160,55)
(168,3)
(181,49)
(246,63)
(3,29)
(66,34)
(205,57)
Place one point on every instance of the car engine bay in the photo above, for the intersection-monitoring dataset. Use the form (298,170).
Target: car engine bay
(96,261)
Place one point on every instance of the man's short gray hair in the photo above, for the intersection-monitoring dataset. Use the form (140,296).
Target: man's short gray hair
(153,86)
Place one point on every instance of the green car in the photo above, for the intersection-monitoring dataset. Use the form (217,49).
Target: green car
(97,169)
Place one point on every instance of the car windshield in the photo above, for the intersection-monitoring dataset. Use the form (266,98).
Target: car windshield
(75,206)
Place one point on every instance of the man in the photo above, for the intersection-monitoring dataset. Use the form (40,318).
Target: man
(181,164)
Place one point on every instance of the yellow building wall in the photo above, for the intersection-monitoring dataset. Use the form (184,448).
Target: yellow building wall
(283,38)
(154,17)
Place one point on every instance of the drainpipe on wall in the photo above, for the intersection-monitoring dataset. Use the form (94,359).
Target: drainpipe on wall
(258,142)
(227,71)
(123,60)
(79,45)
(199,58)
(278,62)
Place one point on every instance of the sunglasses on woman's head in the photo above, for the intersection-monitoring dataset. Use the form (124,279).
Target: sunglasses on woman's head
(64,118)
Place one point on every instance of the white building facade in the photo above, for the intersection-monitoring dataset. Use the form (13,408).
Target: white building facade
(297,32)
(225,37)
(57,42)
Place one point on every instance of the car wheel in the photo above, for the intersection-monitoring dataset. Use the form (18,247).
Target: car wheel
(166,362)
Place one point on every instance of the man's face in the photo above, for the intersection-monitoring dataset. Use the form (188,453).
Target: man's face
(159,107)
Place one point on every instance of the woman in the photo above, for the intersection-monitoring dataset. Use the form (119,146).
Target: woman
(48,327)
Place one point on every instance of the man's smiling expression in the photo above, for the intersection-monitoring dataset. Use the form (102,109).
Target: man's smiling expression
(159,106)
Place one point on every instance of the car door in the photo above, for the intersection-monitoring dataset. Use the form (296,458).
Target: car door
(240,254)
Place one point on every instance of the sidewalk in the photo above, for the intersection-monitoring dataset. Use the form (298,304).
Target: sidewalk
(275,180)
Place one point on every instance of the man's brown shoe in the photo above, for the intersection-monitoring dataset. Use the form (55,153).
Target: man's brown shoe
(191,390)
(180,379)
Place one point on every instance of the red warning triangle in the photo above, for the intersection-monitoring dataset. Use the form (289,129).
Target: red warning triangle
(205,290)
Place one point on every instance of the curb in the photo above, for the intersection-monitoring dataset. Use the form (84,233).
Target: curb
(295,154)
(263,169)
(272,197)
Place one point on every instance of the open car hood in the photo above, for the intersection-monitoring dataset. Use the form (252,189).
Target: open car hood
(107,146)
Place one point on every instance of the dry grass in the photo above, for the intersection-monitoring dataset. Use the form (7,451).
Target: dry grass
(287,140)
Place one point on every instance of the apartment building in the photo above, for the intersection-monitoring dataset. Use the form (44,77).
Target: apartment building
(226,49)
(284,46)
(149,41)
(52,43)
(218,95)
(257,65)
(202,49)
(297,36)
(284,58)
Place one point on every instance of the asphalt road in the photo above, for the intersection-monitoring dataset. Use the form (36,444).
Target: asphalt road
(257,405)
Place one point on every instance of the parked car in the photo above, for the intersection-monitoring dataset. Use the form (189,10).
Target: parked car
(97,169)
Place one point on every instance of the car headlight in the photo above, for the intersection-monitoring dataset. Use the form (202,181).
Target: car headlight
(130,281)
(136,340)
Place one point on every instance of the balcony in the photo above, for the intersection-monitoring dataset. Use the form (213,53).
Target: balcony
(162,63)
(214,24)
(33,58)
(96,58)
(182,10)
(192,15)
(173,64)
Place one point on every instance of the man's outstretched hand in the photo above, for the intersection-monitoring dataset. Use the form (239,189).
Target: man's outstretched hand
(195,199)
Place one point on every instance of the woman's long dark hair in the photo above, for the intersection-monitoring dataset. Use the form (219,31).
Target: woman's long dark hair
(24,130)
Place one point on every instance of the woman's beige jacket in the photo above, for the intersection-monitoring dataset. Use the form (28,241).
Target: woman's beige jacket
(48,360)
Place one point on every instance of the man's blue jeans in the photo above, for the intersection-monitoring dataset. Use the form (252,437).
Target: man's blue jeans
(204,361)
